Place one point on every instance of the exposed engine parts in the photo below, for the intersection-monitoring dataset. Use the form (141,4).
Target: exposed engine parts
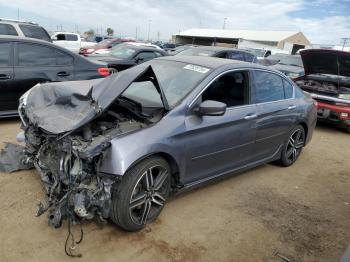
(67,165)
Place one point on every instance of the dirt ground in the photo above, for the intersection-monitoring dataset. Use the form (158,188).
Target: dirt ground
(301,212)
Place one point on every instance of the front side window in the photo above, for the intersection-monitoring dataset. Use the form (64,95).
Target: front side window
(268,87)
(34,31)
(5,52)
(7,29)
(231,89)
(35,55)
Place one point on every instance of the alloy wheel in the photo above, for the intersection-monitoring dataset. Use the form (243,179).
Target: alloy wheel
(148,195)
(295,145)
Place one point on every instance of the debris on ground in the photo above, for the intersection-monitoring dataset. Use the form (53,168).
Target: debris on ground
(13,158)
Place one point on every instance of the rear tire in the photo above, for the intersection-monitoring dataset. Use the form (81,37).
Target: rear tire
(142,194)
(293,146)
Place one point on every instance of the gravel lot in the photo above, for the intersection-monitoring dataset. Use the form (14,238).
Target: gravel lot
(301,212)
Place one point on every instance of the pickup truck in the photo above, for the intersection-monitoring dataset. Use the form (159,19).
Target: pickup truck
(71,41)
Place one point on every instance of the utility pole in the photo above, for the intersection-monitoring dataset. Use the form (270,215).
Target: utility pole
(158,35)
(17,13)
(345,40)
(136,33)
(224,25)
(149,29)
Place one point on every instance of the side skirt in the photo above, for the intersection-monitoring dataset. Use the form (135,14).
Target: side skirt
(232,172)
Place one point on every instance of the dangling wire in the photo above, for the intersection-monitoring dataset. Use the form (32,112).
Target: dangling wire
(70,236)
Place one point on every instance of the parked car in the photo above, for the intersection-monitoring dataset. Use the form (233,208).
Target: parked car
(220,52)
(126,55)
(24,62)
(164,126)
(179,49)
(290,65)
(70,41)
(327,79)
(102,47)
(167,46)
(19,28)
(260,53)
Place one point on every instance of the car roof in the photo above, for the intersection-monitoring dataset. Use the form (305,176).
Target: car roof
(34,41)
(144,48)
(212,62)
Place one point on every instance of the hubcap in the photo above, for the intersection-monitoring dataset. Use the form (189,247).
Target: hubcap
(295,144)
(148,195)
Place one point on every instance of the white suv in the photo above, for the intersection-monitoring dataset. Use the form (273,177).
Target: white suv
(23,29)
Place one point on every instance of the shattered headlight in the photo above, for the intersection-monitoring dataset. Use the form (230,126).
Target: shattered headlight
(22,104)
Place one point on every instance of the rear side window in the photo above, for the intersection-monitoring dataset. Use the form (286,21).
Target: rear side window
(63,59)
(71,37)
(5,52)
(268,87)
(35,55)
(34,32)
(6,29)
(144,56)
(237,56)
(288,89)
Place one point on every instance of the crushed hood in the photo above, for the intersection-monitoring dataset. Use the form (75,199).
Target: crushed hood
(66,106)
(322,61)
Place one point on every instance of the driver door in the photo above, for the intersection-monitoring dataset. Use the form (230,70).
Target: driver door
(218,144)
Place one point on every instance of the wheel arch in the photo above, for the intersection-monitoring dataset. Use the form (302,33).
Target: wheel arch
(306,129)
(174,167)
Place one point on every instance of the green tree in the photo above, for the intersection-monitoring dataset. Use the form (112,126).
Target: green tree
(110,31)
(90,32)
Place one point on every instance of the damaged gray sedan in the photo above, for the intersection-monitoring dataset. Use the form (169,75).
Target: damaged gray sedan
(117,148)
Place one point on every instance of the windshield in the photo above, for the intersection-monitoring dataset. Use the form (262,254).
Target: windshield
(196,52)
(122,52)
(177,79)
(288,60)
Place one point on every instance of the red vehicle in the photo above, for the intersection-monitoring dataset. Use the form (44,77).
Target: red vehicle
(105,44)
(327,79)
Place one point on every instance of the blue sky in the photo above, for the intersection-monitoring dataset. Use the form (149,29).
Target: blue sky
(322,21)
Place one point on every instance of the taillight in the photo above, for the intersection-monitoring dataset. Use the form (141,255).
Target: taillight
(104,71)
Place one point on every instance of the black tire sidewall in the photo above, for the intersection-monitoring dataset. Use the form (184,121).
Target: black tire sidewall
(284,161)
(122,194)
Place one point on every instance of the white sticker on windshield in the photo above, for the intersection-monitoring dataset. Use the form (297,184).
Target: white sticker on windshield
(199,69)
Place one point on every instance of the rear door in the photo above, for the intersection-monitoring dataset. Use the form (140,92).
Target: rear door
(276,113)
(8,97)
(36,63)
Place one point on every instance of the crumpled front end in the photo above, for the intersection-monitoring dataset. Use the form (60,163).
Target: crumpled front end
(74,188)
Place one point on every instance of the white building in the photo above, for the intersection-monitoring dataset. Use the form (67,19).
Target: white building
(290,41)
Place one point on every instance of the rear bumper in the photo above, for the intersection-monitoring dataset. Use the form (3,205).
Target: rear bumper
(339,114)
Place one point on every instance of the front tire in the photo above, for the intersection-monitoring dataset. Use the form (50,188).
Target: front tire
(293,147)
(142,194)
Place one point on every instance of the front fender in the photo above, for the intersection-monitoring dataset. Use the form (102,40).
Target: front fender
(123,154)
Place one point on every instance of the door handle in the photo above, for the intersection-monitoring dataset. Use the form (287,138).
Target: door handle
(63,74)
(291,107)
(249,117)
(4,77)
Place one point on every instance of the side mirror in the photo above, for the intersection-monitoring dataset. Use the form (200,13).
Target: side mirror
(211,108)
